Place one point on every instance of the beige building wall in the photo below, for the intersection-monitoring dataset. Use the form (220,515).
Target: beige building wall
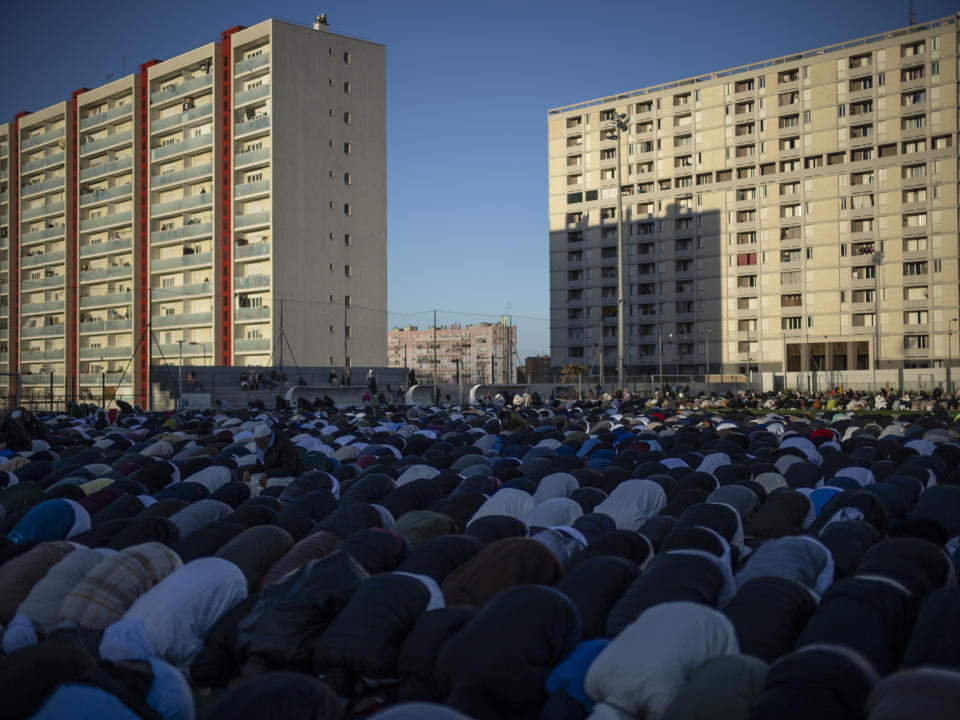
(487,352)
(223,194)
(797,213)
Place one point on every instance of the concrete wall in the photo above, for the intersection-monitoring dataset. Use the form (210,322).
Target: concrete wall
(311,195)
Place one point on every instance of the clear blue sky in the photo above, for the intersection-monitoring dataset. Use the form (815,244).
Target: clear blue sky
(468,89)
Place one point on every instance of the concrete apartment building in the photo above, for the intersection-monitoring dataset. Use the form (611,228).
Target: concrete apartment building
(214,198)
(487,351)
(794,214)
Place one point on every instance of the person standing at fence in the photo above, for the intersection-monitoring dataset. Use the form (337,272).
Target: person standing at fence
(346,376)
(371,382)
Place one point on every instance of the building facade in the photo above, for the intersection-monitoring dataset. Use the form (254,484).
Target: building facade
(485,353)
(220,204)
(795,214)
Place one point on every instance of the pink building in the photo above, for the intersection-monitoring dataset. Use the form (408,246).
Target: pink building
(488,352)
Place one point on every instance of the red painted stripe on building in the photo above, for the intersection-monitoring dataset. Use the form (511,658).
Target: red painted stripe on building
(13,309)
(72,291)
(142,286)
(226,189)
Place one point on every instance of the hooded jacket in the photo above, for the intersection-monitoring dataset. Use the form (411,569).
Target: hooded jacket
(667,578)
(769,613)
(282,630)
(521,635)
(365,637)
(502,564)
(802,558)
(19,575)
(313,547)
(595,586)
(641,671)
(417,661)
(632,503)
(722,687)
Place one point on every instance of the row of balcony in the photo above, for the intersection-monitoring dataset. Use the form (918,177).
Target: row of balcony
(171,91)
(195,113)
(41,139)
(47,209)
(40,163)
(88,148)
(120,111)
(107,168)
(98,196)
(42,258)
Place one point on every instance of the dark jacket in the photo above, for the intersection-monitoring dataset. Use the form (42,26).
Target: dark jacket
(497,666)
(417,662)
(281,631)
(595,587)
(364,639)
(667,578)
(769,613)
(282,459)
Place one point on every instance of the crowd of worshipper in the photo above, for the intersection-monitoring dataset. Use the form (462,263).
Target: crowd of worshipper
(606,560)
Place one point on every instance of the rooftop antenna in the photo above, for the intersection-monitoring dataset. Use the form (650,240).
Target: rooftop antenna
(320,23)
(912,18)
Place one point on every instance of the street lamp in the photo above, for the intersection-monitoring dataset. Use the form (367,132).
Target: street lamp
(616,130)
(180,376)
(707,378)
(670,342)
(660,354)
(203,349)
(949,377)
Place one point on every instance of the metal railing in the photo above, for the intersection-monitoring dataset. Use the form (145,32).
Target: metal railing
(50,159)
(105,142)
(180,233)
(96,196)
(185,203)
(253,125)
(120,298)
(42,258)
(178,176)
(106,115)
(181,261)
(251,63)
(195,113)
(251,188)
(106,247)
(117,218)
(106,168)
(40,139)
(174,90)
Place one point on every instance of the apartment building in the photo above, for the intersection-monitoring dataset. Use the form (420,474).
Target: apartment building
(795,214)
(485,353)
(214,205)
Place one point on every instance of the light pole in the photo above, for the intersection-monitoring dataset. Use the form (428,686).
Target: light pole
(949,376)
(615,131)
(707,378)
(203,350)
(670,341)
(660,355)
(180,377)
(676,365)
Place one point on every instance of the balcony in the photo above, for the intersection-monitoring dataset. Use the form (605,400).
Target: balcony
(103,143)
(111,378)
(107,168)
(42,258)
(247,345)
(257,250)
(54,183)
(37,355)
(98,196)
(178,206)
(108,352)
(119,298)
(179,176)
(171,121)
(252,313)
(107,273)
(41,307)
(45,234)
(41,139)
(120,111)
(117,218)
(251,64)
(40,163)
(246,96)
(252,188)
(248,282)
(179,320)
(40,378)
(249,126)
(48,209)
(251,156)
(102,248)
(251,219)
(44,282)
(172,91)
(202,142)
(42,331)
(181,261)
(101,326)
(180,233)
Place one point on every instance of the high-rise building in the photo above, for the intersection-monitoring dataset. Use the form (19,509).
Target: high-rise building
(221,203)
(794,214)
(485,352)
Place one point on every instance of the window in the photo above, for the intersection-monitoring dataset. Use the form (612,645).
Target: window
(792,300)
(347,239)
(347,148)
(913,122)
(346,57)
(792,277)
(348,118)
(790,323)
(348,270)
(790,211)
(915,317)
(789,256)
(348,88)
(913,98)
(347,209)
(935,67)
(911,269)
(916,342)
(912,220)
(841,110)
